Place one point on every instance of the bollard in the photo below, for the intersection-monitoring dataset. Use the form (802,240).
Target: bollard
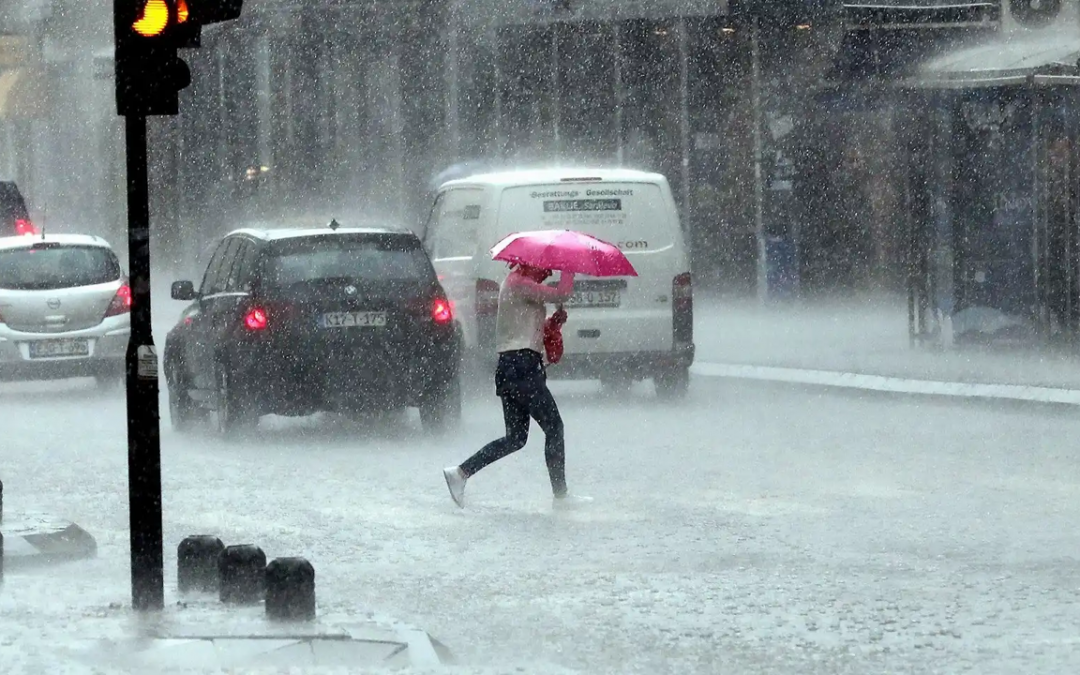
(242,574)
(290,590)
(1,557)
(197,563)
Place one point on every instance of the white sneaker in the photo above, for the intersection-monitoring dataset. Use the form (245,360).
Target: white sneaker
(570,501)
(455,482)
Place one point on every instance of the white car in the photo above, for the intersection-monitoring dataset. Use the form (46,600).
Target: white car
(65,308)
(620,329)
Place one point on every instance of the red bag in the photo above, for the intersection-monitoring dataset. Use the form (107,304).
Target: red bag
(553,343)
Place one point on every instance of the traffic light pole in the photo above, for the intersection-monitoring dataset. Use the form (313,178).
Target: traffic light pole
(144,434)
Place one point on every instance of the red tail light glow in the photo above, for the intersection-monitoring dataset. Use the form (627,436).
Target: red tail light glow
(24,227)
(256,319)
(121,302)
(487,296)
(442,312)
(682,291)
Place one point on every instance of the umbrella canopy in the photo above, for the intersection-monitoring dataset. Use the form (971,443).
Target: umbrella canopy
(565,251)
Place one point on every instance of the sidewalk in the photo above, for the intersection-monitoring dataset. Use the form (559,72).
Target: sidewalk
(863,343)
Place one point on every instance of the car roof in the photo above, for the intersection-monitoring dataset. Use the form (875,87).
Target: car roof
(555,176)
(277,234)
(25,241)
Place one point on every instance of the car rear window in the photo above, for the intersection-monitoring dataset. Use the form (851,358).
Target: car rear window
(358,258)
(633,216)
(51,267)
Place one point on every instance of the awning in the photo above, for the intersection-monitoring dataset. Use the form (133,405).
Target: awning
(508,12)
(22,94)
(1041,58)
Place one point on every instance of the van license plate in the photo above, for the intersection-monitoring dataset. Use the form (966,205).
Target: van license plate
(43,349)
(352,320)
(594,299)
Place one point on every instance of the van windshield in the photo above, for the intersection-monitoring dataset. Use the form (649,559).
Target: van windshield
(633,216)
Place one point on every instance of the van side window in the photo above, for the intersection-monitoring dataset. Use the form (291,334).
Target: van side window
(456,222)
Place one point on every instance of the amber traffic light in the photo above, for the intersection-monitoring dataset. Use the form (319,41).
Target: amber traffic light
(153,18)
(149,33)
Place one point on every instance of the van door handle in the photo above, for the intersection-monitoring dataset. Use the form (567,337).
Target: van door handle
(588,333)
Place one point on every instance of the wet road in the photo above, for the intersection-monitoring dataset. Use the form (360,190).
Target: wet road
(753,528)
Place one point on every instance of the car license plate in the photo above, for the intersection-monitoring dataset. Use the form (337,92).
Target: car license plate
(41,349)
(352,319)
(608,298)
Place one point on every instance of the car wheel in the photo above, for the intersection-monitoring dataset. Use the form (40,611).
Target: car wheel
(441,409)
(673,383)
(234,414)
(184,413)
(110,382)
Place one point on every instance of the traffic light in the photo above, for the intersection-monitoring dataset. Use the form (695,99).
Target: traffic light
(149,72)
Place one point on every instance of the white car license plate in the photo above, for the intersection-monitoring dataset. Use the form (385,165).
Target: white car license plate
(352,319)
(607,298)
(42,349)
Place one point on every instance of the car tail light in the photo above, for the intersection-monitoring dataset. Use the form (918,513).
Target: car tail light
(24,227)
(121,302)
(442,311)
(256,319)
(682,298)
(487,296)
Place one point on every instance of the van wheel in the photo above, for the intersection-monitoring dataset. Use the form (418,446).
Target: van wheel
(616,385)
(478,372)
(672,384)
(440,411)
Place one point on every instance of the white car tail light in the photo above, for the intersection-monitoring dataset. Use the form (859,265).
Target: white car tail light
(121,302)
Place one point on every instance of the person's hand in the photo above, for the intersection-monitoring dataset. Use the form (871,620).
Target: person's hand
(559,316)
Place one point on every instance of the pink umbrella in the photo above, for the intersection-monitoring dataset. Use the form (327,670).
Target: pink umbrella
(565,251)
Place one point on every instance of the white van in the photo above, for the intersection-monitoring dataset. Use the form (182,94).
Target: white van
(619,329)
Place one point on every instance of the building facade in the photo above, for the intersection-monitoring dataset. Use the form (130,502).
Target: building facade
(349,109)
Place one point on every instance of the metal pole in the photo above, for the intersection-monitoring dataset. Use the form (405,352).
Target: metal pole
(144,437)
(620,93)
(500,140)
(759,188)
(453,85)
(684,120)
(556,81)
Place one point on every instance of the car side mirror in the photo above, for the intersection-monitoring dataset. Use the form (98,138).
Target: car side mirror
(183,290)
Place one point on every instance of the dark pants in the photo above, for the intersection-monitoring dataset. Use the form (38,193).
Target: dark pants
(521,382)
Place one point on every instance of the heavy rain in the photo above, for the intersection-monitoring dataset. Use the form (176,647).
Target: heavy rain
(803,407)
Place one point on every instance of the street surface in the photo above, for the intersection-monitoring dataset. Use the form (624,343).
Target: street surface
(755,528)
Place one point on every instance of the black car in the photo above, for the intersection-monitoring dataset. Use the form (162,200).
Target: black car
(293,322)
(14,218)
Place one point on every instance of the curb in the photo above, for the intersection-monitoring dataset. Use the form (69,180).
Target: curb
(209,635)
(32,539)
(891,385)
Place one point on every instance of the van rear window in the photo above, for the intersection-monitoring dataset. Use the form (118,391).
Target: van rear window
(454,224)
(633,216)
